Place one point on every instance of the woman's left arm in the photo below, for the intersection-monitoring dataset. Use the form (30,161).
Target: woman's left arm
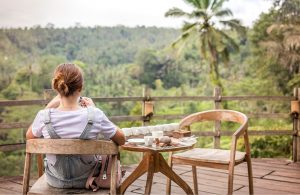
(54,103)
(29,134)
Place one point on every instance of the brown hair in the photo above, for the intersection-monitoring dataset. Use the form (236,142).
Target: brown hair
(67,79)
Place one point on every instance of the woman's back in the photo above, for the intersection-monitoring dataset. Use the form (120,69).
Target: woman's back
(65,118)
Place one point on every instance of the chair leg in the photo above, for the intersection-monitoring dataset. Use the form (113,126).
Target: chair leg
(26,176)
(195,181)
(250,175)
(168,185)
(230,178)
(113,179)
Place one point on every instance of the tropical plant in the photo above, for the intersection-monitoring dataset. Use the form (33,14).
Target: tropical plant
(282,40)
(208,26)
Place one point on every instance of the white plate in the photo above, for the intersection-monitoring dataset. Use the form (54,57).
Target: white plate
(136,141)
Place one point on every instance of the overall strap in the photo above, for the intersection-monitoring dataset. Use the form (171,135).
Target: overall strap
(88,127)
(49,127)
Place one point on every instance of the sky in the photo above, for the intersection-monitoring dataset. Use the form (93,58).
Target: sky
(66,13)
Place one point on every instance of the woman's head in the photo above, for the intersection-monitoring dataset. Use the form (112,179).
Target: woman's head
(67,80)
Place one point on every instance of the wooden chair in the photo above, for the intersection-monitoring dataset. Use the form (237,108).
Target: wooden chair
(65,146)
(216,158)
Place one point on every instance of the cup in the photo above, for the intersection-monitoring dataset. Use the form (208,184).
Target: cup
(148,140)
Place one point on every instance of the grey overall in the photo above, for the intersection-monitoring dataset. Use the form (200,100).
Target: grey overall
(69,171)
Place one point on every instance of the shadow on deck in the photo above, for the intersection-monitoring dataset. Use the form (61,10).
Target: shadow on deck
(271,176)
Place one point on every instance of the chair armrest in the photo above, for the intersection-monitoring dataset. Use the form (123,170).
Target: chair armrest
(242,130)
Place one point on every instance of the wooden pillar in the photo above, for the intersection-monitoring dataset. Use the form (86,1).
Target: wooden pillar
(217,105)
(296,126)
(147,107)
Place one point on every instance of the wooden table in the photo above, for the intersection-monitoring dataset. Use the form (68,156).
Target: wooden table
(154,162)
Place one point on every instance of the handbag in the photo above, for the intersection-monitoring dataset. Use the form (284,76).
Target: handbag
(101,175)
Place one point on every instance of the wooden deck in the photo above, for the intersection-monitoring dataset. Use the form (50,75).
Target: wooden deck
(271,176)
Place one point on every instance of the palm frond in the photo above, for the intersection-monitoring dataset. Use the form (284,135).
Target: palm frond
(194,3)
(225,56)
(234,24)
(198,13)
(185,35)
(184,39)
(204,4)
(217,5)
(187,26)
(213,3)
(176,12)
(223,12)
(230,41)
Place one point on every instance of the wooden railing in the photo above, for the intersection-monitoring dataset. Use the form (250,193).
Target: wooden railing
(217,98)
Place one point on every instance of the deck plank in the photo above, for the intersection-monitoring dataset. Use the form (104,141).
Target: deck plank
(271,176)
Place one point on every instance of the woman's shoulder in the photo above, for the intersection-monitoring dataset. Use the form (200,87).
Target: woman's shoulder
(97,111)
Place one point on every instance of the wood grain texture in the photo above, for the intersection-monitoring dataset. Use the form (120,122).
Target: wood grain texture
(71,146)
(26,178)
(210,155)
(40,164)
(271,176)
(65,146)
(41,187)
(153,162)
(215,158)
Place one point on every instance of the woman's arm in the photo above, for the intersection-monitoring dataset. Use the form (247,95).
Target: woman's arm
(119,137)
(29,134)
(54,103)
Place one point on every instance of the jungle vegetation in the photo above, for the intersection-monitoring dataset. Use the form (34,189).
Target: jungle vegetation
(121,61)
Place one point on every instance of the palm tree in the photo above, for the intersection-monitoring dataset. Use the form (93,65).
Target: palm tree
(204,27)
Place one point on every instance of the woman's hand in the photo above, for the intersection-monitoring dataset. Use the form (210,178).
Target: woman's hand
(55,102)
(85,102)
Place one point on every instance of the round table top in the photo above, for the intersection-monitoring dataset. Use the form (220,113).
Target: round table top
(153,148)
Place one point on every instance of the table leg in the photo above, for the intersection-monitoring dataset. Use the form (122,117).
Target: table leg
(167,171)
(139,171)
(151,170)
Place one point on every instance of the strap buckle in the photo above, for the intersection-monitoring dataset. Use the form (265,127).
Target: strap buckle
(47,121)
(90,121)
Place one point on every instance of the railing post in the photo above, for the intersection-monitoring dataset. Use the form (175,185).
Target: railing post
(147,107)
(217,105)
(296,125)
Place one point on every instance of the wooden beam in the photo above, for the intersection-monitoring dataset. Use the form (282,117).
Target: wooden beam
(14,125)
(22,102)
(157,98)
(250,132)
(11,147)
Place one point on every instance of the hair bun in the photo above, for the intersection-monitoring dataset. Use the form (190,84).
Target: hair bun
(67,79)
(60,85)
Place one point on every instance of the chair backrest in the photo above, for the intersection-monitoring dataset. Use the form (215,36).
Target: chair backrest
(215,115)
(70,146)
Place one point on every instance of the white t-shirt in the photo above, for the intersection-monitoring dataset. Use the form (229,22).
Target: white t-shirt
(70,125)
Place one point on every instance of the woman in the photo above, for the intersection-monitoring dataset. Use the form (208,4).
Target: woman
(67,117)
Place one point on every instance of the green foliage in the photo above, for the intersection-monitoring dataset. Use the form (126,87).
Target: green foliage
(120,61)
(155,67)
(271,146)
(214,43)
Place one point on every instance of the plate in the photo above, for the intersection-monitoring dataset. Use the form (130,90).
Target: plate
(136,141)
